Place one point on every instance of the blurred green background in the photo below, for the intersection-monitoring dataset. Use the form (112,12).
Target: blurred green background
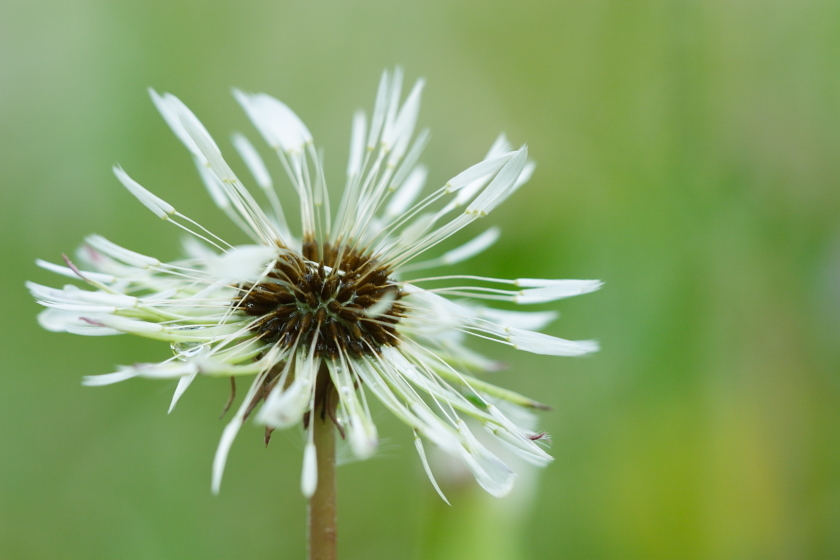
(687,155)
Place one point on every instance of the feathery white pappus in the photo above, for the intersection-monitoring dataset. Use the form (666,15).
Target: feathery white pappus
(326,319)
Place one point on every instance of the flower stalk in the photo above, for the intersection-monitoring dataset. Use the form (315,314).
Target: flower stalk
(322,519)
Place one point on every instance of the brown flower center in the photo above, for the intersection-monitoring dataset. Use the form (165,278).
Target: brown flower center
(329,294)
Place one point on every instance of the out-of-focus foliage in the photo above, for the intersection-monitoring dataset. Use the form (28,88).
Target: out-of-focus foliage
(687,155)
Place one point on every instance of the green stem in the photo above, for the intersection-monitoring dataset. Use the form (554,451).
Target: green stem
(322,511)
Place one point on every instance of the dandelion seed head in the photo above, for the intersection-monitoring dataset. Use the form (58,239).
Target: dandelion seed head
(324,321)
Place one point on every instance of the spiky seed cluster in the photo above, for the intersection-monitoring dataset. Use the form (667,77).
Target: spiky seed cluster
(346,303)
(326,320)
